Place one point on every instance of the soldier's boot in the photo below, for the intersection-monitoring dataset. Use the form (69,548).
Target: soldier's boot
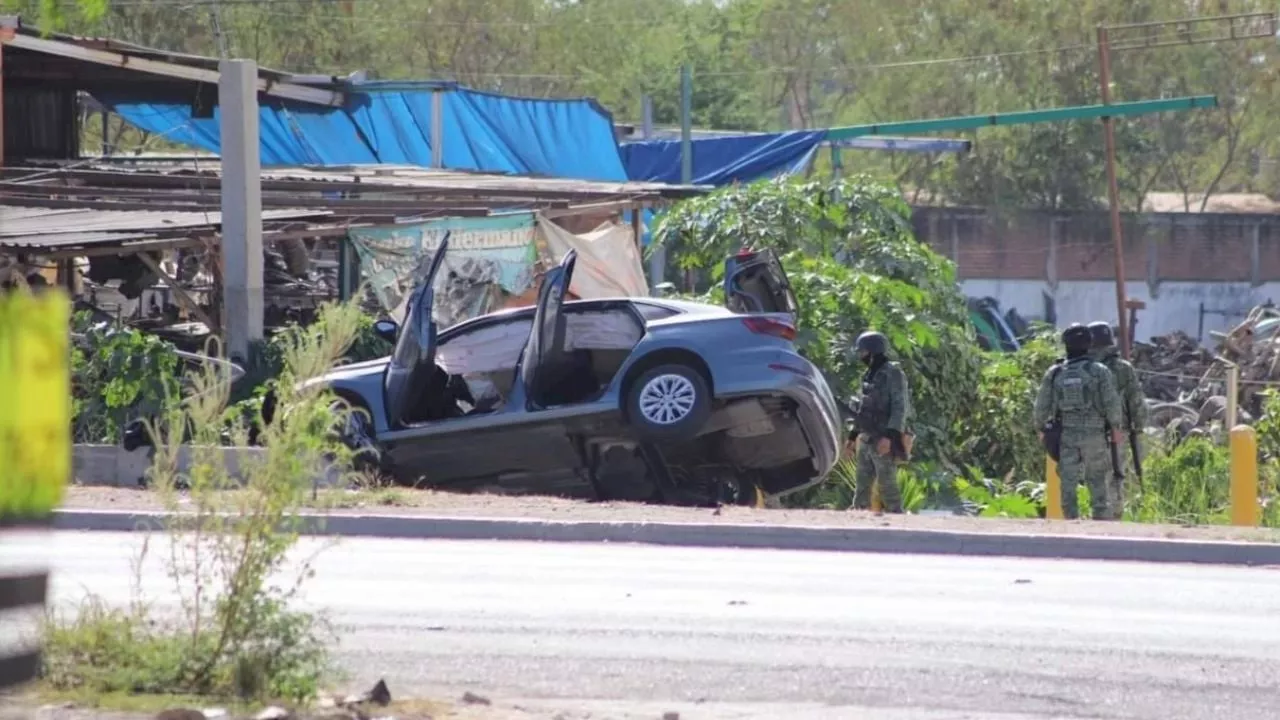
(1070,501)
(890,493)
(891,497)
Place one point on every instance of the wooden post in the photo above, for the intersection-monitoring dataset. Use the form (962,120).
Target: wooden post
(637,229)
(1233,397)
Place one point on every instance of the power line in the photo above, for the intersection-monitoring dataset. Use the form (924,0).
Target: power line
(523,24)
(776,70)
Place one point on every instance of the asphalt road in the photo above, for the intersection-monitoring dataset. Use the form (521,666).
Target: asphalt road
(790,634)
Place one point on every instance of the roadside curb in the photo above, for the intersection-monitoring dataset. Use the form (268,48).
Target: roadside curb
(775,537)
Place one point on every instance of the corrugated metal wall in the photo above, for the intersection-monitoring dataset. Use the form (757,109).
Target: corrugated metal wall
(40,123)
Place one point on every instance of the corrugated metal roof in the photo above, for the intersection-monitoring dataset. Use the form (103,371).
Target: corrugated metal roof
(412,177)
(71,240)
(25,221)
(48,228)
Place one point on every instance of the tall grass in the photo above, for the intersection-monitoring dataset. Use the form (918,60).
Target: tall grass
(237,632)
(1187,483)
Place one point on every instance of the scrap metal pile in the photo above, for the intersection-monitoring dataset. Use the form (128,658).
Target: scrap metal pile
(1186,383)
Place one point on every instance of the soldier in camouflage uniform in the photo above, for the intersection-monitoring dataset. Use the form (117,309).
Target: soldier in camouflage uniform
(1081,395)
(882,416)
(1134,405)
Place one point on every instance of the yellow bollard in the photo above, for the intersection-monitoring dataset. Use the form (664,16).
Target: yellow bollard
(1052,490)
(1244,476)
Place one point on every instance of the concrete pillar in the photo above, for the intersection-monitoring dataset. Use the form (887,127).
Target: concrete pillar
(242,304)
(437,128)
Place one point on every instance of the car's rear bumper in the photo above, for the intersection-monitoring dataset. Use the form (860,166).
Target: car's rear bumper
(789,375)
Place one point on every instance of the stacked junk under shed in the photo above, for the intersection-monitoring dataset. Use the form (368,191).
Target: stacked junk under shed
(354,191)
(141,246)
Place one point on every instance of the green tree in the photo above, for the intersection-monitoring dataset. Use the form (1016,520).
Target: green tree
(850,253)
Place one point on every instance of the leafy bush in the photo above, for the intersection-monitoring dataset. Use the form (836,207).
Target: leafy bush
(237,633)
(117,375)
(997,436)
(849,251)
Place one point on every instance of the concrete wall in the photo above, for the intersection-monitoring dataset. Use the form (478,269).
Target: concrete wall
(1178,263)
(1177,307)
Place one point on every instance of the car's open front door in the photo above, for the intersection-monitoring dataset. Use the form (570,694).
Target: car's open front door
(546,339)
(754,282)
(414,357)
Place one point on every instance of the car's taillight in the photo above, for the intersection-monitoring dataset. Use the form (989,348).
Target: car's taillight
(770,326)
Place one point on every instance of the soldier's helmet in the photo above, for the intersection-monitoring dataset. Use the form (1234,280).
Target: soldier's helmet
(1077,338)
(1102,335)
(872,342)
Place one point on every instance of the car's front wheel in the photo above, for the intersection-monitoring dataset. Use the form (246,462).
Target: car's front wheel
(669,402)
(355,430)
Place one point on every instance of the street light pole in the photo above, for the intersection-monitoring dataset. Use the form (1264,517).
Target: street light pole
(1113,187)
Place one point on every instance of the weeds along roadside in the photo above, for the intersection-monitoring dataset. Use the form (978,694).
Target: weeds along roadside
(236,631)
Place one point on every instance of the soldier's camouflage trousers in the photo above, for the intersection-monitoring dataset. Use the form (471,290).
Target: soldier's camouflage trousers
(1123,489)
(880,469)
(1086,459)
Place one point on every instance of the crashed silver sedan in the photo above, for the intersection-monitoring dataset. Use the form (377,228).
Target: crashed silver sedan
(635,398)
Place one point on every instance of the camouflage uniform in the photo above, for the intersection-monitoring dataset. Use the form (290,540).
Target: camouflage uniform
(886,405)
(1082,394)
(1133,404)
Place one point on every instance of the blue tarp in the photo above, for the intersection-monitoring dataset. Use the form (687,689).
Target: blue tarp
(391,123)
(723,160)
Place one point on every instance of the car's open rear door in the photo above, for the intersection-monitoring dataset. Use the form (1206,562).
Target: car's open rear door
(755,282)
(414,356)
(546,339)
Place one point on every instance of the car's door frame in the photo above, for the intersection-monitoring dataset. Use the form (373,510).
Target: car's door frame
(549,326)
(415,344)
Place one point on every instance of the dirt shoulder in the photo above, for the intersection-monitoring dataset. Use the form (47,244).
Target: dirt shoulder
(469,707)
(406,502)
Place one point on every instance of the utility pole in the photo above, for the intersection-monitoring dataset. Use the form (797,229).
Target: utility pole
(1113,188)
(686,125)
(658,259)
(646,117)
(1143,36)
(215,18)
(242,286)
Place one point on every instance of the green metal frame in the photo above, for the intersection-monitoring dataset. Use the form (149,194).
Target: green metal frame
(1076,112)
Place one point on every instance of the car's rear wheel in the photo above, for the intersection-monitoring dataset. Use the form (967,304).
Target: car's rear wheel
(669,402)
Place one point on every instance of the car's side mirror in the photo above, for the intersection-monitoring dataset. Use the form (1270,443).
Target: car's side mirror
(386,329)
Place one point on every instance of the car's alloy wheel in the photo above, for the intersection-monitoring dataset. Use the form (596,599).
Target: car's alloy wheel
(353,430)
(667,399)
(668,402)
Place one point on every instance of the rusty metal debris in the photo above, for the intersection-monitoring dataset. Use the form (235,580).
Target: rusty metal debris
(1186,383)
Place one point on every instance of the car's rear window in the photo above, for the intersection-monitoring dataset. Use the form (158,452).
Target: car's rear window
(654,312)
